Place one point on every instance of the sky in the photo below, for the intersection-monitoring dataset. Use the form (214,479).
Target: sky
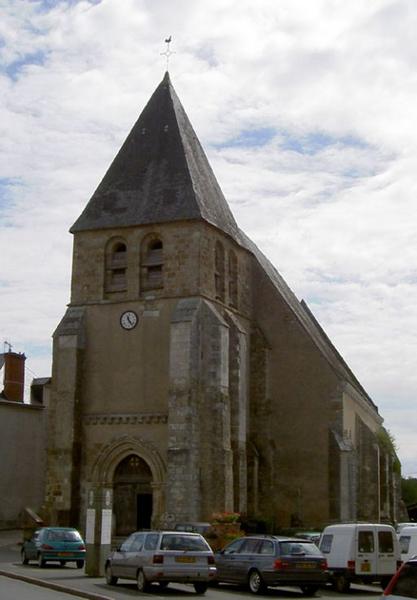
(307,111)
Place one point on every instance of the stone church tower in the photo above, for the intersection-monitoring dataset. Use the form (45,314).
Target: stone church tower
(187,378)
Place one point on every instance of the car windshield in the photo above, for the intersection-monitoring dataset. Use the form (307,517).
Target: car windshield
(406,584)
(183,542)
(288,548)
(62,535)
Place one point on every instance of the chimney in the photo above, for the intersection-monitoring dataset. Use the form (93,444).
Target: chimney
(14,376)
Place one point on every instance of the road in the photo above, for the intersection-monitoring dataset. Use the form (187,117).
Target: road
(70,577)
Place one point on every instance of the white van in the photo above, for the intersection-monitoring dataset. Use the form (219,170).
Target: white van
(408,542)
(361,553)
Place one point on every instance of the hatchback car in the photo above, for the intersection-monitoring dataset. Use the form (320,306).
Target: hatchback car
(403,585)
(59,544)
(162,556)
(270,560)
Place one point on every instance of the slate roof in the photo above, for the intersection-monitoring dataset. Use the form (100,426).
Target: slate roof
(160,174)
(307,320)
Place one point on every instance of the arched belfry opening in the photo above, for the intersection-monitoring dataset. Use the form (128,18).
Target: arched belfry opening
(133,498)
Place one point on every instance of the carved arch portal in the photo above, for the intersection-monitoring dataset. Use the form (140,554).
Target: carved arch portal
(115,468)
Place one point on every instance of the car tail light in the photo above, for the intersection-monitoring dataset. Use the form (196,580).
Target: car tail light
(210,560)
(158,559)
(323,565)
(47,547)
(280,564)
(351,565)
(82,547)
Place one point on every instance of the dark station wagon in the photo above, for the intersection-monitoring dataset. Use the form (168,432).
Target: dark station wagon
(270,560)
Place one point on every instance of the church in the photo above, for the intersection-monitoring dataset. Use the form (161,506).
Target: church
(187,377)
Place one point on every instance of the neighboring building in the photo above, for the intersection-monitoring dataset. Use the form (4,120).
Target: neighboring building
(187,377)
(22,444)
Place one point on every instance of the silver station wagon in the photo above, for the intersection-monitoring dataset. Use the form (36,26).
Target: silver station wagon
(162,557)
(270,560)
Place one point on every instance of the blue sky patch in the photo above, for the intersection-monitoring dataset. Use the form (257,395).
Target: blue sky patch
(251,138)
(46,5)
(35,58)
(314,142)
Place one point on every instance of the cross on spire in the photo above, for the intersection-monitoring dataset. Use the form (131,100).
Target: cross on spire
(168,52)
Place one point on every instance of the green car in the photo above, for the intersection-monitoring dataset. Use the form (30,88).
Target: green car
(58,544)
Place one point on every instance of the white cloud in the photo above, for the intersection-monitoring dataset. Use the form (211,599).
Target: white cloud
(328,193)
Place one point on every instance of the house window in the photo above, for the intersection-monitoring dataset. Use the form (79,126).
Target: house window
(152,265)
(232,279)
(219,272)
(116,267)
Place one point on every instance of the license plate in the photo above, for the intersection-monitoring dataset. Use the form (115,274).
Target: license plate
(365,567)
(64,553)
(306,565)
(185,559)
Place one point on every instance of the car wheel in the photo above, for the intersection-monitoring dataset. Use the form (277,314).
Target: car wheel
(200,587)
(79,563)
(309,590)
(341,584)
(25,560)
(110,578)
(41,561)
(255,582)
(141,581)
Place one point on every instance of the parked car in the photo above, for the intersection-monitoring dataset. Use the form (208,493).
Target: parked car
(162,557)
(59,544)
(400,526)
(361,553)
(196,526)
(313,536)
(408,542)
(259,561)
(404,583)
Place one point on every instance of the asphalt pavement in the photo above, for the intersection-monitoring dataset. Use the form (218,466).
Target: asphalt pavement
(69,581)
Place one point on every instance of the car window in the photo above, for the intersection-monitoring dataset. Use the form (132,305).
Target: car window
(385,541)
(151,541)
(326,543)
(406,584)
(289,548)
(63,535)
(366,541)
(137,543)
(172,541)
(404,543)
(266,547)
(125,547)
(248,546)
(233,547)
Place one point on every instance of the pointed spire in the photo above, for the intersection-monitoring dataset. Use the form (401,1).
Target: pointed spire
(160,174)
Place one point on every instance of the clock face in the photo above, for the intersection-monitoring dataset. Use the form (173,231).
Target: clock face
(129,319)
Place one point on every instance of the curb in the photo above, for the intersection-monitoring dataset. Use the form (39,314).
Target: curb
(54,586)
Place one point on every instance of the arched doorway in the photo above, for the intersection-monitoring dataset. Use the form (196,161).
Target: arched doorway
(132,499)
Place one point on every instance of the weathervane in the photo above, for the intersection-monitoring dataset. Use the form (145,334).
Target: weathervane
(168,52)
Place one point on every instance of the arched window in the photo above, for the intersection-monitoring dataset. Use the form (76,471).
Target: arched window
(116,267)
(219,271)
(152,264)
(233,277)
